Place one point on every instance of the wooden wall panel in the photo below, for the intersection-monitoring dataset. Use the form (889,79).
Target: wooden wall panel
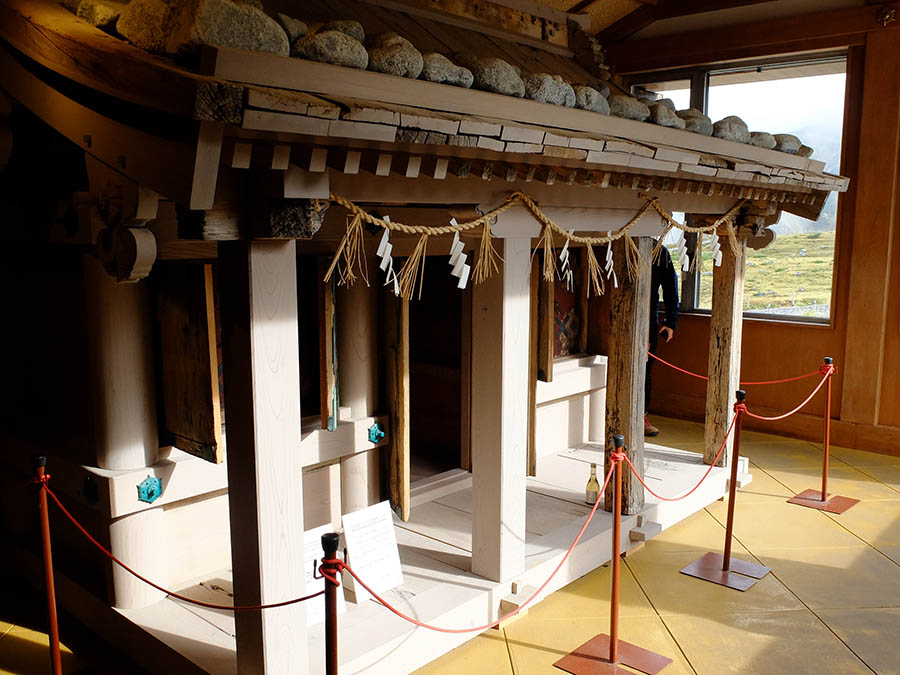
(876,225)
(188,360)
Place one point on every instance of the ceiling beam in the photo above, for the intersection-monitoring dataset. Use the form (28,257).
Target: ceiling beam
(646,14)
(804,32)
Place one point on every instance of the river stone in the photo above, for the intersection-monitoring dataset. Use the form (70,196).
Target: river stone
(805,151)
(438,68)
(253,3)
(395,55)
(294,28)
(347,26)
(628,107)
(787,143)
(732,128)
(762,139)
(492,74)
(695,121)
(227,24)
(588,98)
(663,114)
(667,102)
(145,23)
(100,13)
(332,46)
(544,88)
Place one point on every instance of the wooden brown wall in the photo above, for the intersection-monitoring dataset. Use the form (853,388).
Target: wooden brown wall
(864,335)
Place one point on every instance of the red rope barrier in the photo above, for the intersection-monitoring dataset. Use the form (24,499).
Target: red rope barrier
(705,476)
(795,410)
(209,605)
(704,377)
(477,629)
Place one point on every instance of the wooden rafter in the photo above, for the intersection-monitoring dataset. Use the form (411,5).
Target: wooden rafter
(647,13)
(804,32)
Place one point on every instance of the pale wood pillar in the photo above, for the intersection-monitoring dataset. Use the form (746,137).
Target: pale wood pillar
(357,342)
(122,364)
(724,369)
(500,340)
(629,326)
(262,414)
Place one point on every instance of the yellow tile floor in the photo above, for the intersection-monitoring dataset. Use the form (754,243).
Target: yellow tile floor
(830,606)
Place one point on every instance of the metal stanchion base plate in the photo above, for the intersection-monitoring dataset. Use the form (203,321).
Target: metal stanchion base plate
(593,658)
(740,576)
(813,500)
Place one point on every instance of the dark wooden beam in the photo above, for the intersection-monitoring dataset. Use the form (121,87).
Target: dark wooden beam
(647,13)
(804,32)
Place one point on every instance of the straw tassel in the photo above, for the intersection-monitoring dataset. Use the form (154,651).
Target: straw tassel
(350,253)
(414,270)
(486,265)
(595,274)
(697,262)
(657,249)
(549,266)
(634,262)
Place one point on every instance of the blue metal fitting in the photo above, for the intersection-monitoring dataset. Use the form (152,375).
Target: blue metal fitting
(149,489)
(376,433)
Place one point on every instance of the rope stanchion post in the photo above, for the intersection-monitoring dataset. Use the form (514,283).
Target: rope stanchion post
(826,441)
(605,653)
(819,499)
(331,571)
(724,569)
(41,477)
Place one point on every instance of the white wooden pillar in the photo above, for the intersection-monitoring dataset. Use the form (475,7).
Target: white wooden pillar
(262,414)
(140,541)
(122,363)
(357,333)
(125,426)
(724,350)
(500,341)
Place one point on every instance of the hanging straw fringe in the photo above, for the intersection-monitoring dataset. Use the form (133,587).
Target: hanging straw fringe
(486,265)
(549,264)
(654,257)
(594,272)
(352,250)
(697,261)
(634,262)
(350,253)
(414,270)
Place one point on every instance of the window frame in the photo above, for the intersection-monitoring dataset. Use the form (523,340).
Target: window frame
(699,78)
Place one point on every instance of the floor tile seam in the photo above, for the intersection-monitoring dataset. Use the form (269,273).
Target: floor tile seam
(825,624)
(862,469)
(512,665)
(659,616)
(841,525)
(745,612)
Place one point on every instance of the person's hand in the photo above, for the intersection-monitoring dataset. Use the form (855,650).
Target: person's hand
(669,332)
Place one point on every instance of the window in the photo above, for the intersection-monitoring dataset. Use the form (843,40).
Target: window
(792,277)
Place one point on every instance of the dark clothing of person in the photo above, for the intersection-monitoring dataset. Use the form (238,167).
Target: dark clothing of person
(662,275)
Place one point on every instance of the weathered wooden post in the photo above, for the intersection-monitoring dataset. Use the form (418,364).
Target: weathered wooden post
(725,325)
(629,325)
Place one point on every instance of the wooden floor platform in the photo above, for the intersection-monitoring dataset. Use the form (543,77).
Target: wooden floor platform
(435,551)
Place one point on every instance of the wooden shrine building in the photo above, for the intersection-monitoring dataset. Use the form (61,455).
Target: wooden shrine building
(244,292)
